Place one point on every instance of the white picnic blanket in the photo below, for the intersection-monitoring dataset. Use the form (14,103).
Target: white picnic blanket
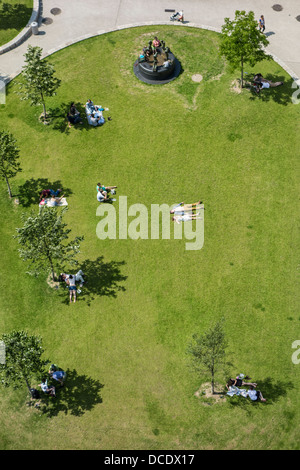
(63,202)
(233,390)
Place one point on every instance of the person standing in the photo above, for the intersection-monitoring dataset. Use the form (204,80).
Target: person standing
(72,287)
(261,23)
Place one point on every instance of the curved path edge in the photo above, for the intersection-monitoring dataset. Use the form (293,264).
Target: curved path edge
(282,64)
(26,32)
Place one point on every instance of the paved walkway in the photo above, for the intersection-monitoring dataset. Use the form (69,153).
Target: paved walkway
(84,18)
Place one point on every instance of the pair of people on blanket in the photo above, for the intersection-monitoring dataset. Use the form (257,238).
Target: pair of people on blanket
(94,114)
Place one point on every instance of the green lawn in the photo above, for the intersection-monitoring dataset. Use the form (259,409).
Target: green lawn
(124,342)
(14,18)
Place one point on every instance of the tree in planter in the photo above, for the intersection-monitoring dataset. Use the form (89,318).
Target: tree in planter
(23,359)
(44,242)
(242,42)
(9,156)
(208,352)
(39,80)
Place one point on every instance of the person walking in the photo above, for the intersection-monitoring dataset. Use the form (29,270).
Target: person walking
(261,23)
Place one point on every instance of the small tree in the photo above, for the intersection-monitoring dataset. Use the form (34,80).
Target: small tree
(44,241)
(9,156)
(22,359)
(208,351)
(39,80)
(242,42)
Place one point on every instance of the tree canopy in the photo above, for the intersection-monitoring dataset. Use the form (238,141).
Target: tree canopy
(9,158)
(23,359)
(39,79)
(44,240)
(242,42)
(208,351)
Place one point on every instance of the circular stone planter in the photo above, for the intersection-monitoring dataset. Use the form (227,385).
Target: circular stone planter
(144,70)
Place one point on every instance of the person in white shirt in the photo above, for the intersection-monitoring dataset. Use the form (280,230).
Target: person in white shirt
(255,395)
(181,208)
(54,201)
(185,217)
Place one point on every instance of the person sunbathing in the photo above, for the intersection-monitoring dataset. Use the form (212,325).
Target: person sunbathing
(259,83)
(239,383)
(102,191)
(181,208)
(54,201)
(185,217)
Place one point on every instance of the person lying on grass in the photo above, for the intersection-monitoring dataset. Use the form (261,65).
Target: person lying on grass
(181,208)
(55,201)
(185,217)
(239,383)
(255,395)
(103,191)
(259,83)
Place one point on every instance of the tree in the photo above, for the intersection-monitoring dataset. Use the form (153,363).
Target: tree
(208,351)
(44,241)
(39,80)
(22,359)
(242,42)
(9,156)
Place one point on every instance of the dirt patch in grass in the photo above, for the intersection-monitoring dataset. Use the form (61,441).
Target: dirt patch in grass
(51,283)
(205,394)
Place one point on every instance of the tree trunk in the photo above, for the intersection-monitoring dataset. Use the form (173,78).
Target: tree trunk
(8,185)
(28,386)
(212,383)
(242,72)
(44,107)
(52,268)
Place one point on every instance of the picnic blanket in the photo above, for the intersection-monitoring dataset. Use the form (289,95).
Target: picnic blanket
(233,390)
(63,202)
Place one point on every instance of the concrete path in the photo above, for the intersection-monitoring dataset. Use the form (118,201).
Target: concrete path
(80,19)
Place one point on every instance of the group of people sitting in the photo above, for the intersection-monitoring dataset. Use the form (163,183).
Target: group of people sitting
(259,83)
(233,387)
(54,373)
(104,192)
(94,114)
(51,198)
(73,116)
(70,280)
(184,212)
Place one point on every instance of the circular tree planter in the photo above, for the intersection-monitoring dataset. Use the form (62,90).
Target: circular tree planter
(147,73)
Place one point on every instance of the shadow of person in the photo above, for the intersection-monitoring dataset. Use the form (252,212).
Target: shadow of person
(29,192)
(102,279)
(79,394)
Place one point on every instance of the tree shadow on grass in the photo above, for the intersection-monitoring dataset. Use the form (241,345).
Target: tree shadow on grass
(270,389)
(102,279)
(58,118)
(29,191)
(79,394)
(281,94)
(14,16)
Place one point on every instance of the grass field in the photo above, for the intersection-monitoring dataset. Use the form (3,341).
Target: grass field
(124,342)
(12,22)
